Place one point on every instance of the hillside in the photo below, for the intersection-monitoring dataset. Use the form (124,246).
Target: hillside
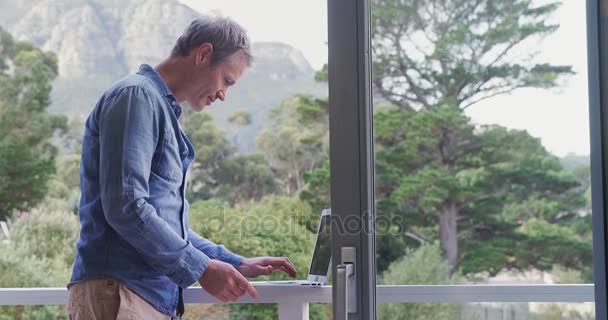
(99,41)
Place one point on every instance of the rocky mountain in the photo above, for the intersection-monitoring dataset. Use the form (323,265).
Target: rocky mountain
(99,41)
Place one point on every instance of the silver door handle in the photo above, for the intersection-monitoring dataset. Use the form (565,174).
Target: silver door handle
(344,298)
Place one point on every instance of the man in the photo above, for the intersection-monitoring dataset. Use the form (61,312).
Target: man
(136,252)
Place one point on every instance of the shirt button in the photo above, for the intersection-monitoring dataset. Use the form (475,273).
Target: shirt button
(185,152)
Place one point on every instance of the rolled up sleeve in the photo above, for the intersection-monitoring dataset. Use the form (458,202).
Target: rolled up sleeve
(128,136)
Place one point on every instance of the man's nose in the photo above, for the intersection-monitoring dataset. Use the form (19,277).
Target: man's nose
(221,95)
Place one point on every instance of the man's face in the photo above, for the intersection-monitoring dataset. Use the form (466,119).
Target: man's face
(210,83)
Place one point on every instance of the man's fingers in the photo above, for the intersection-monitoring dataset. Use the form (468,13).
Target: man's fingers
(222,297)
(231,295)
(237,291)
(245,285)
(284,269)
(280,268)
(285,263)
(290,267)
(268,269)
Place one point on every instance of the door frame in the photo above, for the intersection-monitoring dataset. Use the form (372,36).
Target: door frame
(351,147)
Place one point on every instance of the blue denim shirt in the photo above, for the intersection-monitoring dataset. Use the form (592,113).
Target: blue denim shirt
(133,211)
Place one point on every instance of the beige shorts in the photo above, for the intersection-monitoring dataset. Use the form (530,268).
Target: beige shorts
(108,298)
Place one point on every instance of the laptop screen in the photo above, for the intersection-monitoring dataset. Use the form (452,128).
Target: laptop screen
(321,257)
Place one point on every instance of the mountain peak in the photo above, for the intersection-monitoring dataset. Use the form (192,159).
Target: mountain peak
(280,60)
(99,41)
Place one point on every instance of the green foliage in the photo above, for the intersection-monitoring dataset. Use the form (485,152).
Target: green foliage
(271,227)
(23,175)
(295,145)
(566,247)
(46,234)
(501,183)
(424,265)
(32,312)
(40,254)
(241,117)
(323,74)
(316,193)
(27,158)
(211,149)
(296,140)
(218,171)
(497,178)
(431,60)
(65,183)
(581,168)
(244,178)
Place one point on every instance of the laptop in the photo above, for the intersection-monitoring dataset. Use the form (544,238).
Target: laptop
(320,263)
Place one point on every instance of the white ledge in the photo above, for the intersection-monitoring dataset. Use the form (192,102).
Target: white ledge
(282,294)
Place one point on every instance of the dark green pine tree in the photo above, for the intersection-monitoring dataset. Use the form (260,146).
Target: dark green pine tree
(494,196)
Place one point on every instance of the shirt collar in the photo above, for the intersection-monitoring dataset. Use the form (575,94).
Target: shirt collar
(149,72)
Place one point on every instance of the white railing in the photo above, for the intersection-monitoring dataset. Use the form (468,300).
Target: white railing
(293,300)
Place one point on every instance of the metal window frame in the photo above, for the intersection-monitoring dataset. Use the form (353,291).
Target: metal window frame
(351,147)
(597,46)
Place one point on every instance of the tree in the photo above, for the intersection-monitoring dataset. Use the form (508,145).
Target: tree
(27,158)
(433,59)
(296,140)
(239,120)
(316,193)
(212,148)
(457,52)
(484,191)
(494,197)
(240,117)
(244,178)
(218,171)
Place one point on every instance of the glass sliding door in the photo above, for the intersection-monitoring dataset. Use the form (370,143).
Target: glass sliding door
(482,151)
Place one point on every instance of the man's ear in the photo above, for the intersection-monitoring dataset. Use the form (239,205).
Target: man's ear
(204,54)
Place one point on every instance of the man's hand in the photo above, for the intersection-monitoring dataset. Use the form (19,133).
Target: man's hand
(260,266)
(224,282)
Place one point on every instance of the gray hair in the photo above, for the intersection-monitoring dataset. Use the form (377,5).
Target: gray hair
(226,36)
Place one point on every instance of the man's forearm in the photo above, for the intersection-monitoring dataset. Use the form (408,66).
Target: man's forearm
(212,250)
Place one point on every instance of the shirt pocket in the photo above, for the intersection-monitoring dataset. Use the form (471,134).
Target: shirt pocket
(169,164)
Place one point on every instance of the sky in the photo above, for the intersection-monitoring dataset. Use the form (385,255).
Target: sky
(559,117)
